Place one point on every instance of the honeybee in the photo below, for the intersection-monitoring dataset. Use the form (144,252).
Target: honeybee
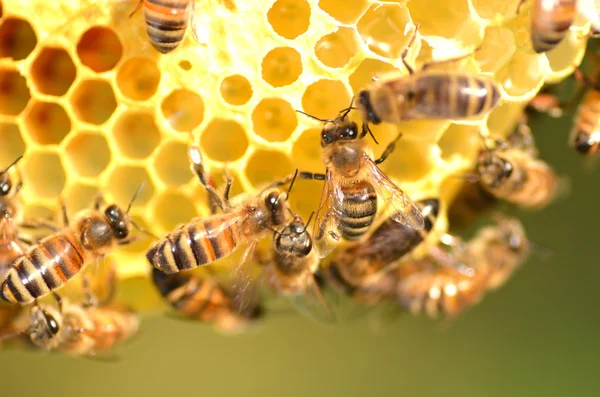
(353,181)
(204,299)
(166,21)
(585,135)
(512,172)
(550,22)
(358,265)
(432,288)
(395,97)
(58,257)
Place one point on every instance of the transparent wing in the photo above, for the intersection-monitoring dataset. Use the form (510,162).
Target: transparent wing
(400,207)
(244,292)
(313,304)
(326,229)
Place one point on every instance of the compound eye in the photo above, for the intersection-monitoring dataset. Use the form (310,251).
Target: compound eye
(326,138)
(52,324)
(271,199)
(5,187)
(508,169)
(350,133)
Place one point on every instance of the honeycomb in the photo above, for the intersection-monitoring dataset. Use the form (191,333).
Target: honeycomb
(95,108)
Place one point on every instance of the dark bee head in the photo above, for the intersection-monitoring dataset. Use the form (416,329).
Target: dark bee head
(256,313)
(493,169)
(366,108)
(294,238)
(276,204)
(340,129)
(514,234)
(44,325)
(118,221)
(6,183)
(584,143)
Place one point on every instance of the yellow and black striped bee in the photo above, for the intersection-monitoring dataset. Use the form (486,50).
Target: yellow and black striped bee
(585,135)
(550,22)
(424,94)
(352,183)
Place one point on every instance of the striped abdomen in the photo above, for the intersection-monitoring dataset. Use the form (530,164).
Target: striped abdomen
(585,136)
(550,21)
(538,187)
(359,206)
(448,96)
(194,244)
(48,266)
(166,22)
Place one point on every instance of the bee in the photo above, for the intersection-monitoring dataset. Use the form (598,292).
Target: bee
(428,286)
(512,172)
(585,135)
(359,266)
(353,181)
(395,97)
(205,300)
(58,257)
(166,21)
(550,22)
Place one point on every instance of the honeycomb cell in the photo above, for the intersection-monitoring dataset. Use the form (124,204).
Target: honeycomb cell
(123,183)
(497,48)
(93,101)
(171,163)
(266,166)
(47,123)
(185,65)
(100,49)
(274,119)
(502,119)
(136,134)
(307,150)
(138,78)
(325,98)
(567,53)
(89,153)
(449,19)
(183,109)
(410,162)
(346,12)
(224,140)
(382,28)
(364,73)
(17,39)
(44,174)
(14,93)
(462,141)
(12,143)
(173,209)
(337,48)
(80,197)
(236,90)
(281,66)
(305,197)
(289,18)
(53,71)
(489,9)
(524,71)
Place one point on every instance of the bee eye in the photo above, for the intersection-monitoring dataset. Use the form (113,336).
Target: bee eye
(52,324)
(508,169)
(326,138)
(5,187)
(410,96)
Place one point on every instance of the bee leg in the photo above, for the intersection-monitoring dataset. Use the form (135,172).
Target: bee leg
(136,8)
(127,240)
(58,300)
(367,130)
(408,47)
(39,224)
(90,300)
(449,60)
(63,210)
(519,6)
(228,183)
(390,148)
(20,183)
(99,201)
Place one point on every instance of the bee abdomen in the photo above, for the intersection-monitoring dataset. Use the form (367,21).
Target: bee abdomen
(550,23)
(111,327)
(45,268)
(166,23)
(359,207)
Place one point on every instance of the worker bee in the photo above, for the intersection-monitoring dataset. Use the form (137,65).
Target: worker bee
(353,181)
(58,257)
(433,287)
(166,21)
(511,171)
(358,265)
(550,22)
(585,135)
(395,97)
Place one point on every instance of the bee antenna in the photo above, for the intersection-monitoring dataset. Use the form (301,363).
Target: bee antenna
(135,195)
(315,117)
(347,110)
(368,129)
(292,183)
(543,251)
(143,230)
(12,164)
(308,222)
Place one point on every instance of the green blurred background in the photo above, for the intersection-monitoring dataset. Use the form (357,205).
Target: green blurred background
(537,336)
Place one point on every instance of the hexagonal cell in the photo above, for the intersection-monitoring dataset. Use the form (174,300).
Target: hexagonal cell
(183,109)
(138,78)
(497,48)
(124,181)
(171,163)
(261,169)
(80,197)
(93,101)
(289,18)
(346,12)
(44,174)
(281,66)
(53,71)
(173,209)
(567,53)
(461,141)
(337,48)
(524,72)
(47,123)
(100,49)
(89,153)
(236,90)
(136,134)
(490,9)
(325,98)
(382,28)
(274,119)
(305,197)
(307,150)
(502,119)
(17,39)
(12,143)
(411,161)
(224,140)
(14,93)
(364,73)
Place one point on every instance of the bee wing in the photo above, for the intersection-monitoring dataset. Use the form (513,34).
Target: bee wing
(313,304)
(326,229)
(400,207)
(244,292)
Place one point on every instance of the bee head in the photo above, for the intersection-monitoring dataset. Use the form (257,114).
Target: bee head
(366,107)
(514,234)
(294,238)
(44,325)
(585,144)
(276,204)
(493,169)
(340,129)
(118,221)
(6,183)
